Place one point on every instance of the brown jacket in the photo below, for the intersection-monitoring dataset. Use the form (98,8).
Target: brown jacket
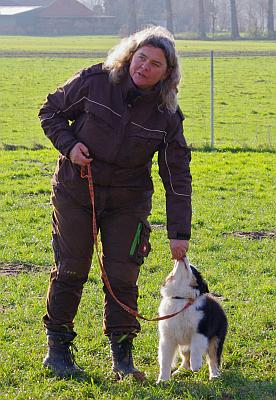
(122,129)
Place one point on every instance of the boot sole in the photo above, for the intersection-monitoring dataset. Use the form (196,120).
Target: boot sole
(138,375)
(63,374)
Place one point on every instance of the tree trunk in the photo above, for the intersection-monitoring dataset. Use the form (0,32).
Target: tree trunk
(201,20)
(234,20)
(132,18)
(213,15)
(270,20)
(169,16)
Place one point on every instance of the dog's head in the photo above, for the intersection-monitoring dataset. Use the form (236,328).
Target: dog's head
(184,281)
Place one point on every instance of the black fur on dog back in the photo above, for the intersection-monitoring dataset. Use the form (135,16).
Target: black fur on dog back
(214,323)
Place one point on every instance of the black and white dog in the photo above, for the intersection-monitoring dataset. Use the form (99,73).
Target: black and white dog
(197,330)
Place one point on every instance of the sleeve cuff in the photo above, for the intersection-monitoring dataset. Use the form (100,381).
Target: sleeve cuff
(68,147)
(179,235)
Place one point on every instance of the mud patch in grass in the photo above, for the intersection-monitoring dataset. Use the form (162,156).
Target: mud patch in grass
(12,269)
(14,147)
(253,235)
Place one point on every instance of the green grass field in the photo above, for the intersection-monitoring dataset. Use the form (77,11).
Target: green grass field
(245,99)
(233,191)
(73,44)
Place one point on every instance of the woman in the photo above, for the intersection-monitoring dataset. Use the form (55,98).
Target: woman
(114,116)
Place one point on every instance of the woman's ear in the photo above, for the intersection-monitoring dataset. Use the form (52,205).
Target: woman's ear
(167,73)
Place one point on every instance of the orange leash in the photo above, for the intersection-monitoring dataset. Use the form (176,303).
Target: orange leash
(135,313)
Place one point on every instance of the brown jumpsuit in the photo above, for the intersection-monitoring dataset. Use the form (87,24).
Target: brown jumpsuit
(122,129)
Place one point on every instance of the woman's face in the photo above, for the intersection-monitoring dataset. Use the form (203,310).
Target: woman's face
(148,66)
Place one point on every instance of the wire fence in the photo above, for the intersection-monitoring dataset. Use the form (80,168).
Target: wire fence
(244,102)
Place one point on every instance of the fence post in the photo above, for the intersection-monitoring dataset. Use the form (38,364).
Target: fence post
(212,99)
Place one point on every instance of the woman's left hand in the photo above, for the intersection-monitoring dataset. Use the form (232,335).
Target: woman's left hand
(179,248)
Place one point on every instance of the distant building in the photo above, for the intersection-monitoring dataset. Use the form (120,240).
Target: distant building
(60,17)
(12,19)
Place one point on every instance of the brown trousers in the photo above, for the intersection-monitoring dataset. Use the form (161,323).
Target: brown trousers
(119,211)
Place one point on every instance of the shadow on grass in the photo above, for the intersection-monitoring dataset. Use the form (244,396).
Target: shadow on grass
(208,149)
(201,149)
(230,386)
(14,147)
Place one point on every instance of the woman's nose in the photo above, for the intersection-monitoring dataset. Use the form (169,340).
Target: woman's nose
(145,65)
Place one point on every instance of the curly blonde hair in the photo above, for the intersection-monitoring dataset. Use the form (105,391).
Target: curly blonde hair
(119,57)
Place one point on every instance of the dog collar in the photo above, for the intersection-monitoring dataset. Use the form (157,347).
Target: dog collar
(183,298)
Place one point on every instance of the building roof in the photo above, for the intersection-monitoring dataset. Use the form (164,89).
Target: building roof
(14,10)
(66,8)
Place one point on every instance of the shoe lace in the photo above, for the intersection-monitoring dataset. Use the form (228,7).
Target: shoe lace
(70,355)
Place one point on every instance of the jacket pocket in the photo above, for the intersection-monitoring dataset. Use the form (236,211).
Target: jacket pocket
(140,245)
(138,148)
(101,115)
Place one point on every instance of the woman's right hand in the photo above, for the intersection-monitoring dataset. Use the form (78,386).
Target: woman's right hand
(80,155)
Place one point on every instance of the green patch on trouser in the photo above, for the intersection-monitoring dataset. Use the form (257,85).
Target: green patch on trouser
(140,246)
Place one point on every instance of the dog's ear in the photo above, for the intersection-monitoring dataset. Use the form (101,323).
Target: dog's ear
(201,283)
(203,288)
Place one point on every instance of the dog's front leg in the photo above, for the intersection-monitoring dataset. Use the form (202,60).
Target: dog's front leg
(166,352)
(199,344)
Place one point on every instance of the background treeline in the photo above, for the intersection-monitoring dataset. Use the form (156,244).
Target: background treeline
(194,18)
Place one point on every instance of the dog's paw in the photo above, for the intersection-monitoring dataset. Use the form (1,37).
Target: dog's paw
(196,362)
(196,365)
(214,376)
(162,379)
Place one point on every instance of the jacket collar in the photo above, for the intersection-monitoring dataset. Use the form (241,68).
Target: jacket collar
(132,94)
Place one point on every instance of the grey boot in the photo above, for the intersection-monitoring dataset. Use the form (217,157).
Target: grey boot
(122,360)
(60,358)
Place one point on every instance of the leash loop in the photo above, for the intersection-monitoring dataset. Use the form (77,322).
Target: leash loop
(86,173)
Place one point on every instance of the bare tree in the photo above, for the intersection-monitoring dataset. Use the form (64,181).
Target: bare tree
(132,16)
(201,20)
(118,9)
(213,15)
(222,15)
(270,19)
(201,16)
(234,20)
(169,16)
